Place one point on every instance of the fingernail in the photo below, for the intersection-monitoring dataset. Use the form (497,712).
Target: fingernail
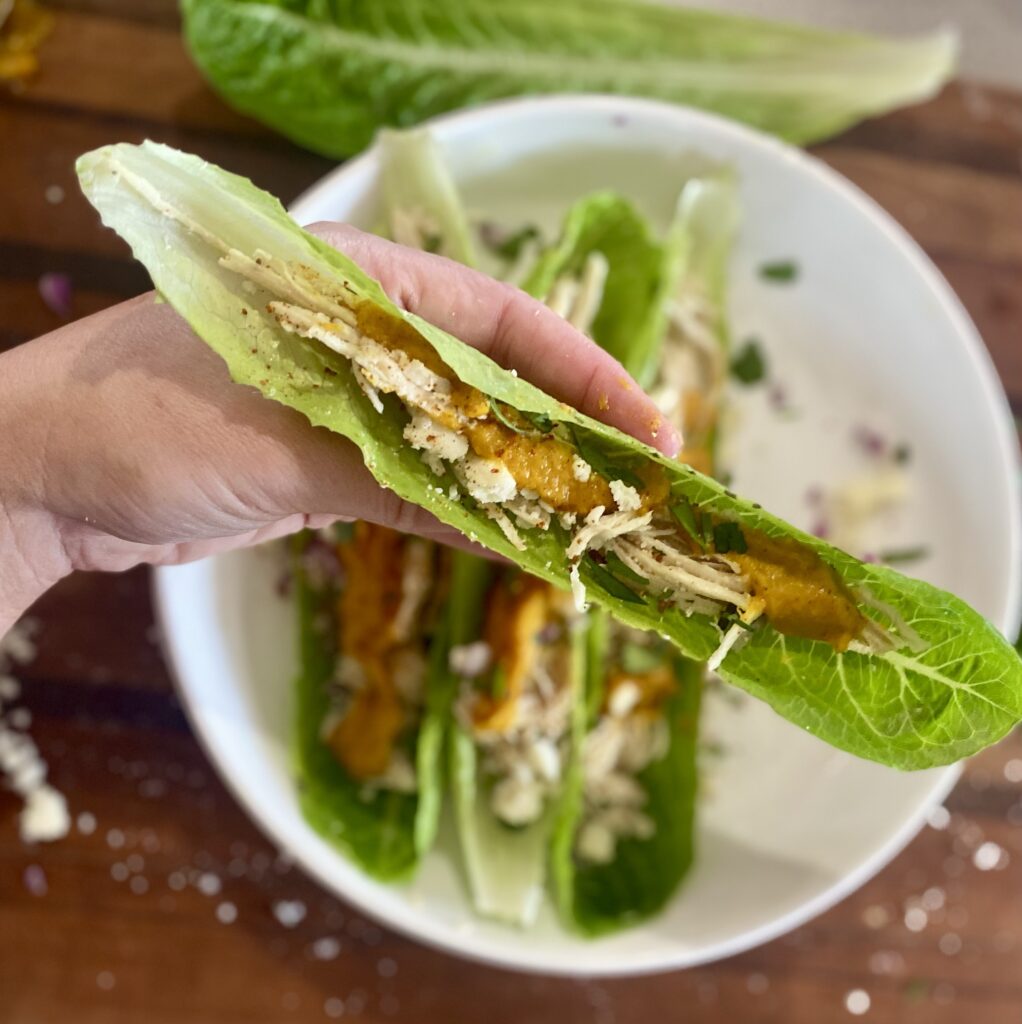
(669,441)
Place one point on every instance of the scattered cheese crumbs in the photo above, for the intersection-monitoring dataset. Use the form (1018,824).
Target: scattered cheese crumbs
(326,948)
(209,884)
(226,912)
(44,817)
(989,856)
(290,913)
(857,1002)
(580,469)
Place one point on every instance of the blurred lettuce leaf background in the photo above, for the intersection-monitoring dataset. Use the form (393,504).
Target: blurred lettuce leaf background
(329,73)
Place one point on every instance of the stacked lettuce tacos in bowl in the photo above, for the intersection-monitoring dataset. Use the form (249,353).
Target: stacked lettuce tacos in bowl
(556,702)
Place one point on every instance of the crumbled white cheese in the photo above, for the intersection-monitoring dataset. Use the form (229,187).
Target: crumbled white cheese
(290,913)
(517,801)
(425,434)
(545,759)
(625,497)
(595,843)
(399,774)
(623,699)
(487,480)
(580,469)
(470,660)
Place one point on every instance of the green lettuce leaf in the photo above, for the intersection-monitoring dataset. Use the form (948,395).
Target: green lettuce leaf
(630,316)
(416,183)
(599,898)
(384,832)
(328,73)
(505,867)
(910,710)
(644,874)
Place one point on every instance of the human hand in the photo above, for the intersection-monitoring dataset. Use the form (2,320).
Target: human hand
(123,439)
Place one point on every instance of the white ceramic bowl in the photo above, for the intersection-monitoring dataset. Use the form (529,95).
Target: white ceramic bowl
(870,333)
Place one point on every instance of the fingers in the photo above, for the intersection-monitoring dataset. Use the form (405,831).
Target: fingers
(513,329)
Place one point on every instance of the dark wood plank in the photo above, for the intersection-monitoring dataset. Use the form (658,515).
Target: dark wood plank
(92,65)
(949,209)
(969,125)
(147,12)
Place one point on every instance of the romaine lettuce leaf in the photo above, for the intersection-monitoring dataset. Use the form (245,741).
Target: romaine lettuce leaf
(505,867)
(599,898)
(328,73)
(417,186)
(910,710)
(595,899)
(630,316)
(384,832)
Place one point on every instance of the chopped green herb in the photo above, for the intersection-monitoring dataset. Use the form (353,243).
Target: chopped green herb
(603,463)
(622,571)
(611,584)
(749,366)
(639,659)
(544,424)
(686,516)
(496,410)
(432,242)
(899,556)
(916,990)
(902,454)
(729,537)
(779,271)
(498,683)
(510,247)
(504,242)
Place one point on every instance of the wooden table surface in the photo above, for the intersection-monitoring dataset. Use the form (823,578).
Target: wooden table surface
(122,923)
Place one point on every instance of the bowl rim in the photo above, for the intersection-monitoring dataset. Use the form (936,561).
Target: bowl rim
(359,174)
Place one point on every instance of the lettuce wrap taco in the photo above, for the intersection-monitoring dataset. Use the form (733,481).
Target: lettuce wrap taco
(625,834)
(871,661)
(373,694)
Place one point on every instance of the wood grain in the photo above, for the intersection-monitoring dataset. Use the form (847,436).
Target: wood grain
(119,922)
